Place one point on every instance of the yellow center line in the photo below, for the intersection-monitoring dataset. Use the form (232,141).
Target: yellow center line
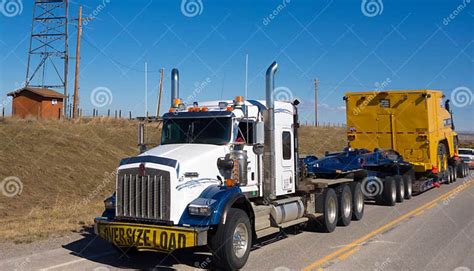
(358,242)
(347,254)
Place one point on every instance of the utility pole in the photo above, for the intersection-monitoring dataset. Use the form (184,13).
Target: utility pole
(162,73)
(78,60)
(316,102)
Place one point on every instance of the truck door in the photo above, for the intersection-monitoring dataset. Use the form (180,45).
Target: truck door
(286,177)
(384,132)
(246,133)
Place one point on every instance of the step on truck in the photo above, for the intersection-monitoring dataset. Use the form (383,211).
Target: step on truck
(225,174)
(418,124)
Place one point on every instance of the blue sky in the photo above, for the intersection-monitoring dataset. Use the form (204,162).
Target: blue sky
(401,44)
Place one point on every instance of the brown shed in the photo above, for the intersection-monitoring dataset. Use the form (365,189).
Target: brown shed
(37,102)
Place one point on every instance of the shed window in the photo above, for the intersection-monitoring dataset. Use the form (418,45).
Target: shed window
(286,141)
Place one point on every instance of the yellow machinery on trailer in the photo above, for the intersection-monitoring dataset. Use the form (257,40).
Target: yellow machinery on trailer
(418,124)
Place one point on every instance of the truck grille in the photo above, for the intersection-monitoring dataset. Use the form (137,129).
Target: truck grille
(146,197)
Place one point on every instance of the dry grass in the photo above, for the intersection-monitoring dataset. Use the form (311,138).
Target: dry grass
(65,169)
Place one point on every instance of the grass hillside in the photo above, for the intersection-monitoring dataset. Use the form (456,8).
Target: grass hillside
(66,169)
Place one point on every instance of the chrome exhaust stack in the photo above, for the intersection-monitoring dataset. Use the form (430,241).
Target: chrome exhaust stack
(269,178)
(174,86)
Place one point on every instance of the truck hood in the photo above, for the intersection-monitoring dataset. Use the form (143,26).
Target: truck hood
(200,158)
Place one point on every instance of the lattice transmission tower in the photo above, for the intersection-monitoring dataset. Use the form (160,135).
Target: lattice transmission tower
(48,55)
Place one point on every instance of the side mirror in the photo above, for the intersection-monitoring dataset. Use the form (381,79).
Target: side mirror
(259,133)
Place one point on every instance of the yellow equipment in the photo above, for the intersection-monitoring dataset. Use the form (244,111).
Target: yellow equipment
(415,123)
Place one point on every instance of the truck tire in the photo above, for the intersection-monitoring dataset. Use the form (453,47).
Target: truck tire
(345,206)
(389,194)
(467,170)
(455,173)
(452,174)
(448,176)
(408,181)
(328,221)
(400,188)
(460,170)
(358,203)
(230,244)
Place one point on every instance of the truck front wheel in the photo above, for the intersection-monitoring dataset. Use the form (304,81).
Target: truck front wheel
(230,244)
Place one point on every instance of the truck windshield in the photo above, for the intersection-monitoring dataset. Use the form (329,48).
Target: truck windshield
(216,131)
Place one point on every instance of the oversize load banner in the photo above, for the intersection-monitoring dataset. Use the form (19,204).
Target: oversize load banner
(147,237)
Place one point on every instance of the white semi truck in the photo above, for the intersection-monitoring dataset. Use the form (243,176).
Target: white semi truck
(225,174)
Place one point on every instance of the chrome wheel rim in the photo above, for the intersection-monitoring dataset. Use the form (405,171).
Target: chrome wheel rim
(331,210)
(240,240)
(347,205)
(409,189)
(360,202)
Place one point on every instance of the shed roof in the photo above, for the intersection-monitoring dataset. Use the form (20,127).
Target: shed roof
(44,92)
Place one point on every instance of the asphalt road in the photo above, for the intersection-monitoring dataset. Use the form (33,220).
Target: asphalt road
(432,231)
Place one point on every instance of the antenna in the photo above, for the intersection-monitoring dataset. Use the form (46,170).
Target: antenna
(146,89)
(246,74)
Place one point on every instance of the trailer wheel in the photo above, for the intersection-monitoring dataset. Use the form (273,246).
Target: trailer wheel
(466,170)
(408,182)
(230,244)
(357,201)
(389,191)
(459,170)
(328,221)
(400,188)
(452,174)
(345,206)
(448,176)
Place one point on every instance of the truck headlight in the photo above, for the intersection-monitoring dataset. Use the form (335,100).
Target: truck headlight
(109,203)
(200,210)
